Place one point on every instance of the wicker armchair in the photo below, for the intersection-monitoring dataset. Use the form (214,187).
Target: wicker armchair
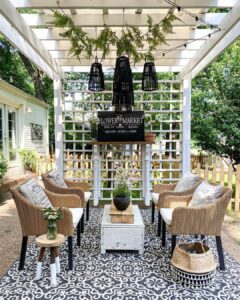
(165,190)
(74,187)
(202,220)
(32,222)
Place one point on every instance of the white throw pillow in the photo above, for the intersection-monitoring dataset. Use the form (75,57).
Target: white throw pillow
(187,182)
(155,197)
(57,178)
(35,193)
(205,194)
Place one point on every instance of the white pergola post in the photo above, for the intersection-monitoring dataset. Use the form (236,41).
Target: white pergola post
(186,140)
(58,124)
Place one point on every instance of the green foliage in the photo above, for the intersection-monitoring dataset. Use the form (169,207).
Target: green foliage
(216,106)
(28,159)
(3,165)
(130,42)
(52,214)
(122,185)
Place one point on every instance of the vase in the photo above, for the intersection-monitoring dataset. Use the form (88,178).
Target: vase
(121,202)
(149,137)
(51,231)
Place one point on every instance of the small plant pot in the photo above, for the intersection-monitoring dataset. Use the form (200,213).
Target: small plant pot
(149,137)
(121,202)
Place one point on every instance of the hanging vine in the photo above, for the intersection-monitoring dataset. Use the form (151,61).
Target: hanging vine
(131,42)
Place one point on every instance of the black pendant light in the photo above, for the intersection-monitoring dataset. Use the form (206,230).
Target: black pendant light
(123,97)
(96,78)
(149,77)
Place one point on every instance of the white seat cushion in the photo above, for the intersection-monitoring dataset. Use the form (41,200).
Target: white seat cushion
(166,214)
(155,197)
(57,178)
(87,196)
(76,214)
(32,191)
(205,194)
(187,182)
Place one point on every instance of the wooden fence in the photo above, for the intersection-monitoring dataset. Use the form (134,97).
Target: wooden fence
(223,174)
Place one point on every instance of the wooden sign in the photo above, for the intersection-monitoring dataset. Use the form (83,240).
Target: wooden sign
(123,126)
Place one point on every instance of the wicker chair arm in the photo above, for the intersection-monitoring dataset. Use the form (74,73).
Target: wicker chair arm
(65,226)
(64,200)
(159,188)
(196,220)
(77,184)
(173,201)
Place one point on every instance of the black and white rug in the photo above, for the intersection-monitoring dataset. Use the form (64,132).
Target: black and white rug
(115,275)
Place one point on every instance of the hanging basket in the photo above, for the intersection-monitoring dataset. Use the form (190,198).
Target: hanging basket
(193,264)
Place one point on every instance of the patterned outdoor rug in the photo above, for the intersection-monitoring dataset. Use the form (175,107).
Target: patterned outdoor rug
(115,275)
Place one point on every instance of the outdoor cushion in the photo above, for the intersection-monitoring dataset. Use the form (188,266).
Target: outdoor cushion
(187,182)
(57,178)
(205,194)
(35,193)
(155,197)
(76,215)
(166,214)
(87,196)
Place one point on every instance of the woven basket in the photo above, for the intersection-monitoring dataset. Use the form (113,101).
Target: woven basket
(193,264)
(193,258)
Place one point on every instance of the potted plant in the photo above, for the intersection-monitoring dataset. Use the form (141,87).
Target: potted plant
(29,159)
(149,136)
(93,121)
(122,190)
(51,215)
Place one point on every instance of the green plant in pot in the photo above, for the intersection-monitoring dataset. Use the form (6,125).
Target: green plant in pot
(93,121)
(122,190)
(29,159)
(52,215)
(149,136)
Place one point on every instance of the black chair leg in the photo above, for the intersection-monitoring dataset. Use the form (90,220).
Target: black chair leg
(79,233)
(202,237)
(153,211)
(23,253)
(70,253)
(82,223)
(159,223)
(87,210)
(163,233)
(174,238)
(220,253)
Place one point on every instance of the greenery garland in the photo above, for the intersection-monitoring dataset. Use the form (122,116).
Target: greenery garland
(130,43)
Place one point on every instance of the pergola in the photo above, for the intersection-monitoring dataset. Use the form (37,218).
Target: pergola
(32,34)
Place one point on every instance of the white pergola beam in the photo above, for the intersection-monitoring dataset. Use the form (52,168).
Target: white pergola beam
(111,62)
(109,4)
(186,54)
(63,45)
(18,32)
(180,34)
(214,46)
(116,20)
(109,69)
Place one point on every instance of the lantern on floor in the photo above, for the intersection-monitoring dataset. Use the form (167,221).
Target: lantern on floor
(96,78)
(123,97)
(149,77)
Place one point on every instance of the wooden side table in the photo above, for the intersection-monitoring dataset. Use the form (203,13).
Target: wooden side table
(44,243)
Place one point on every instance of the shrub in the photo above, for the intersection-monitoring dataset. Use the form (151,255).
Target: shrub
(29,159)
(3,165)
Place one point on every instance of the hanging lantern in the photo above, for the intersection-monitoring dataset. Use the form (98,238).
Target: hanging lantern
(123,97)
(149,77)
(96,78)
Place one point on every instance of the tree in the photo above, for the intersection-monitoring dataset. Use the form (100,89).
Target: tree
(216,106)
(18,70)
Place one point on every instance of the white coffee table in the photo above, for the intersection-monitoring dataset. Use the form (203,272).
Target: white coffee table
(122,236)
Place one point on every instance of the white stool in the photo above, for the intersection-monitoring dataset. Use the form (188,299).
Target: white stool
(44,243)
